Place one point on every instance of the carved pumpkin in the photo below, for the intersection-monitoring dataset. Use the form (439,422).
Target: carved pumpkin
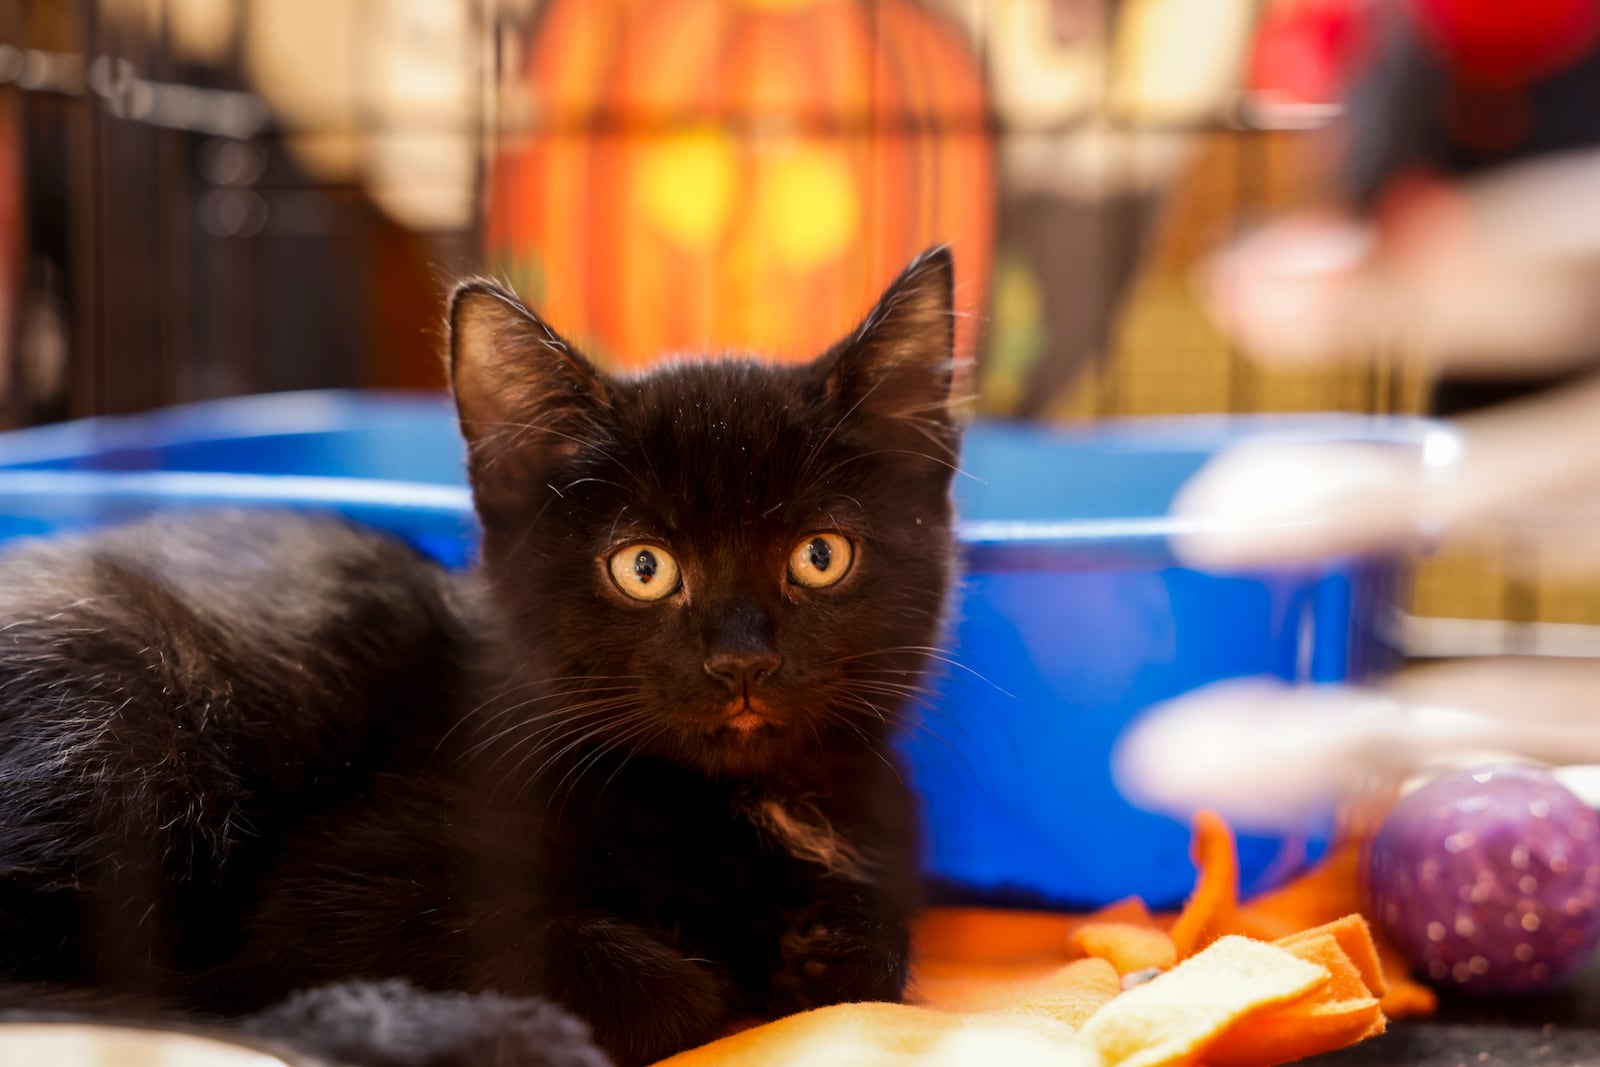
(698,175)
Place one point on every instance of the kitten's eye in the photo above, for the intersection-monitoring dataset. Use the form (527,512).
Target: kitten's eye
(645,572)
(820,560)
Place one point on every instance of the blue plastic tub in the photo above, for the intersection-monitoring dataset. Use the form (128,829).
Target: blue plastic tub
(1072,617)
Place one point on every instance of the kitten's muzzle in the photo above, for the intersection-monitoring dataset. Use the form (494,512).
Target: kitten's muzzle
(743,669)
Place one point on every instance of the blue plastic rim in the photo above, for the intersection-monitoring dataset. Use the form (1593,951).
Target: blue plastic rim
(1072,618)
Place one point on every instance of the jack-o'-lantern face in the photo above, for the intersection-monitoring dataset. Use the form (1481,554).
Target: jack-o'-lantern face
(698,175)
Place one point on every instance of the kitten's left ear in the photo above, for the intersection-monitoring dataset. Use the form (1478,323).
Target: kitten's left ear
(901,360)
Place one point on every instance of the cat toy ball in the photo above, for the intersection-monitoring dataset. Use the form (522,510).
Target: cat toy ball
(1489,880)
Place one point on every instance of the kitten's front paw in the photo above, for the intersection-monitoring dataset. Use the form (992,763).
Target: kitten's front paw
(833,955)
(642,999)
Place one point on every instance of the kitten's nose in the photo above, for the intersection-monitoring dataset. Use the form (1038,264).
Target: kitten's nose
(743,669)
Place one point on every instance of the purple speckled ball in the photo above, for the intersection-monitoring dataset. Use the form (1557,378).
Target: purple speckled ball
(1489,879)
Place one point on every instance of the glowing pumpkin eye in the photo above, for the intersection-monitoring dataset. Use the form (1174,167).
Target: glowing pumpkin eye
(820,560)
(645,572)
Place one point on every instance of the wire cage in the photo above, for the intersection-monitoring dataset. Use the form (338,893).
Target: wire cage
(206,198)
(190,232)
(239,196)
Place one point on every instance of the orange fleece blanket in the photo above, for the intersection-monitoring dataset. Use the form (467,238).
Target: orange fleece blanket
(1222,983)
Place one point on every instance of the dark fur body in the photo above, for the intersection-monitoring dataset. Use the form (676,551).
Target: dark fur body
(250,755)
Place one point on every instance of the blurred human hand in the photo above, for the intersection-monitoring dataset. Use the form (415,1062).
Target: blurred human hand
(1271,757)
(1499,275)
(1496,274)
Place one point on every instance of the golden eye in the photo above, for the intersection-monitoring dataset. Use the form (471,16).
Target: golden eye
(645,572)
(820,560)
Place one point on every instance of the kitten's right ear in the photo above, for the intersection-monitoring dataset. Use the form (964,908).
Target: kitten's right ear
(524,396)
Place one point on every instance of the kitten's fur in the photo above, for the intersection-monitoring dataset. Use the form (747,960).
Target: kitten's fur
(246,756)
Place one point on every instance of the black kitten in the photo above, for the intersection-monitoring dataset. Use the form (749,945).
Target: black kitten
(638,764)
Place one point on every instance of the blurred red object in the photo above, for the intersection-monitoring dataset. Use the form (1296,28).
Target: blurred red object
(1306,51)
(1508,43)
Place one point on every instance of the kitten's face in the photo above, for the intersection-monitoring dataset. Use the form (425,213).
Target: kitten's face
(718,563)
